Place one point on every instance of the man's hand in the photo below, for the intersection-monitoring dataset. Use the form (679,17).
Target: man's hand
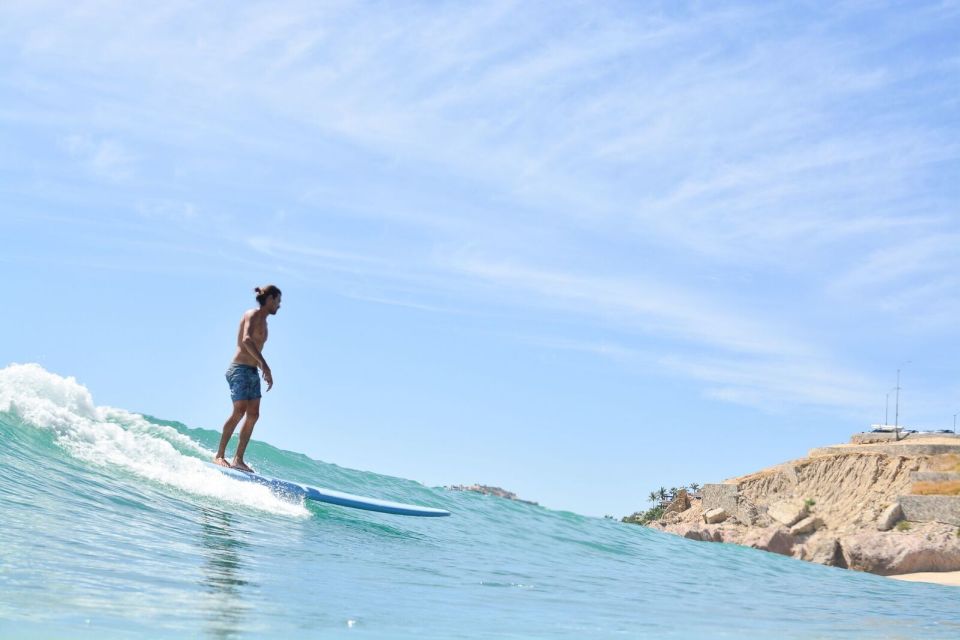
(268,377)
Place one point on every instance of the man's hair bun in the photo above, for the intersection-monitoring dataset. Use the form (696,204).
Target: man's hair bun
(268,291)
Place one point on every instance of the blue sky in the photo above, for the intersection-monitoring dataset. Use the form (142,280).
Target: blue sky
(578,250)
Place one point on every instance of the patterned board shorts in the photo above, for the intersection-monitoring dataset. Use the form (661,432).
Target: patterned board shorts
(244,382)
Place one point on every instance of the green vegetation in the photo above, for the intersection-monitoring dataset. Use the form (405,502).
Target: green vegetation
(646,517)
(809,502)
(660,499)
(903,525)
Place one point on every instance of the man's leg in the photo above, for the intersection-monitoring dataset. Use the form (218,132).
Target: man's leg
(239,408)
(253,414)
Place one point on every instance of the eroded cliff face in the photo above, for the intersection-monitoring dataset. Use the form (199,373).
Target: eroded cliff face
(837,510)
(848,491)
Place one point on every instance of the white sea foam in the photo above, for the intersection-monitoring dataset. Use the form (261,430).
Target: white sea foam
(110,436)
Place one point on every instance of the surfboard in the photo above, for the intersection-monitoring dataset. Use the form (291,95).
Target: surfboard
(294,489)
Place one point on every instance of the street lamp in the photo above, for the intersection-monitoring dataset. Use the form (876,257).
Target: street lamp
(896,418)
(886,408)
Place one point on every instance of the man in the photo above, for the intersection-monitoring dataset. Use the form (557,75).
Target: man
(243,378)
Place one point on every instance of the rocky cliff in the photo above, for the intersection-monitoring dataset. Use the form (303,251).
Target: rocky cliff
(840,506)
(490,491)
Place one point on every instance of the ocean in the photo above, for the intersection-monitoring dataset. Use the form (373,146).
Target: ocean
(111,526)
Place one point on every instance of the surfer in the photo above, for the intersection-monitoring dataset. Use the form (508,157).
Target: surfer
(243,378)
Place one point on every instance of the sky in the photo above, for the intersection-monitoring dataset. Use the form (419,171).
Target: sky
(579,250)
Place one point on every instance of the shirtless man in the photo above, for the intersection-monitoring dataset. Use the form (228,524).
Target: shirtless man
(243,378)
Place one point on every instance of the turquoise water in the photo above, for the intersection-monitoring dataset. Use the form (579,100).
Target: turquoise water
(112,527)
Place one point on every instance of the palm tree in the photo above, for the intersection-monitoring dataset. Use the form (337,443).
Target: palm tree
(673,492)
(662,494)
(694,487)
(653,496)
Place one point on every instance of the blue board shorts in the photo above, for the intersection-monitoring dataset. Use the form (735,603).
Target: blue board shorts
(244,382)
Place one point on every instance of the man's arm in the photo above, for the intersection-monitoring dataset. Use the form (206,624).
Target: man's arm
(251,347)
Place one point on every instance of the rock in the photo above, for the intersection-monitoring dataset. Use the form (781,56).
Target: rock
(774,539)
(747,512)
(805,526)
(715,515)
(723,496)
(890,516)
(490,491)
(934,476)
(931,548)
(692,534)
(670,518)
(680,503)
(788,512)
(825,551)
(715,535)
(945,509)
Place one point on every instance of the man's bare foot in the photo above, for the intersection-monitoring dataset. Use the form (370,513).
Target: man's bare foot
(221,461)
(240,465)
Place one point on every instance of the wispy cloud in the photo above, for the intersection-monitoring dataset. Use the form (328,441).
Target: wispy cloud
(105,158)
(777,384)
(655,308)
(926,256)
(168,210)
(604,349)
(678,172)
(916,279)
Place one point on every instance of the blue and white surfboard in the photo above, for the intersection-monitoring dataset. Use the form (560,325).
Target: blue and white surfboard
(285,487)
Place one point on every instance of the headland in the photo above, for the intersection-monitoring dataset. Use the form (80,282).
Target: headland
(884,503)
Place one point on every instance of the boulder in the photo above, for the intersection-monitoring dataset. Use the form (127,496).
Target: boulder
(712,535)
(945,509)
(693,531)
(715,515)
(692,534)
(774,539)
(932,548)
(805,526)
(679,504)
(724,496)
(788,512)
(890,516)
(747,512)
(825,551)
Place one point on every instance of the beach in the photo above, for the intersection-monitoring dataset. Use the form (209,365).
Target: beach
(948,578)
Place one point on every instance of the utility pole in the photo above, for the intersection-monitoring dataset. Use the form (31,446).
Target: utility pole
(886,409)
(896,419)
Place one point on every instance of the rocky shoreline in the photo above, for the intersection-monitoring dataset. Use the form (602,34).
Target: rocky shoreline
(490,491)
(841,506)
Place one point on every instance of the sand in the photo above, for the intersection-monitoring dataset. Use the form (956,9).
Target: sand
(949,578)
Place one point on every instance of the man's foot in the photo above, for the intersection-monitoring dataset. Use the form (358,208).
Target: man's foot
(240,465)
(220,460)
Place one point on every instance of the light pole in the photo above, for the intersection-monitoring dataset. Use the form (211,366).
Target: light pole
(886,409)
(896,418)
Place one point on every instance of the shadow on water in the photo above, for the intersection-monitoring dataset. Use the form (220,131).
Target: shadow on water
(358,521)
(223,574)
